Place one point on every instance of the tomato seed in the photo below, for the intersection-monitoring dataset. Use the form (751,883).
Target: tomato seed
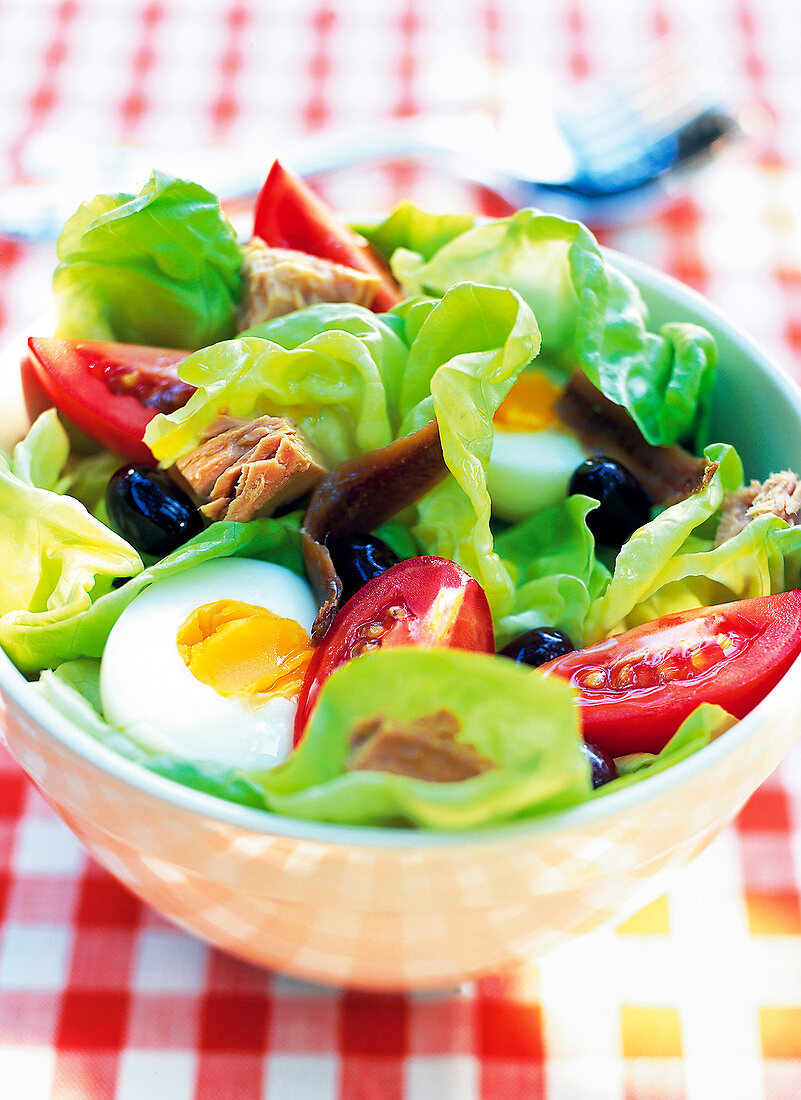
(591,678)
(667,671)
(622,677)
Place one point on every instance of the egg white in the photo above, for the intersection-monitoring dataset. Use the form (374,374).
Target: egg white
(147,690)
(530,470)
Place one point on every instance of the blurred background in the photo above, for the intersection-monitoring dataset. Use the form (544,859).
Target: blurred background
(95,92)
(698,996)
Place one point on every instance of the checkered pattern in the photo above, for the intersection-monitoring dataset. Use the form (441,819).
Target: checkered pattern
(697,996)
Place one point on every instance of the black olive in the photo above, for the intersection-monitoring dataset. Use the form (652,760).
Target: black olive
(602,766)
(358,558)
(537,646)
(624,504)
(150,511)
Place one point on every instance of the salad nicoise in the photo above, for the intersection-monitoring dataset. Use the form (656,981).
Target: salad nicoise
(410,523)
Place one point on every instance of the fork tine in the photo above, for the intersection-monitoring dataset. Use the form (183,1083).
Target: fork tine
(630,125)
(659,87)
(591,97)
(640,118)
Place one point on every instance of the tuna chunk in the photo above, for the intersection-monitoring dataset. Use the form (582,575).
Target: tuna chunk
(425,748)
(281,280)
(248,468)
(780,496)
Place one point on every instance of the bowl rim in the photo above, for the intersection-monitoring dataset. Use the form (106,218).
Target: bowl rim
(16,688)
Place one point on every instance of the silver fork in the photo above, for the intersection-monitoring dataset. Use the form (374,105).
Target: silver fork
(613,145)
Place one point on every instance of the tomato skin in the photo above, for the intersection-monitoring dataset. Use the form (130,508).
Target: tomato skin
(441,604)
(636,688)
(290,215)
(110,391)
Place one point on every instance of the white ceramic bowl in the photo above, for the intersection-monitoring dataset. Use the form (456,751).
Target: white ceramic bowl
(383,908)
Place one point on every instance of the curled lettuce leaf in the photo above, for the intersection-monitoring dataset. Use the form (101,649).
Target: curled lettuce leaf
(707,722)
(671,564)
(86,478)
(414,229)
(55,554)
(161,267)
(44,459)
(525,724)
(589,314)
(318,788)
(73,689)
(764,558)
(353,385)
(556,576)
(81,628)
(640,565)
(382,341)
(40,458)
(330,385)
(466,352)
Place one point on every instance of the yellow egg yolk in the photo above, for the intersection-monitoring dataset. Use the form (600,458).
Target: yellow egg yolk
(529,405)
(240,649)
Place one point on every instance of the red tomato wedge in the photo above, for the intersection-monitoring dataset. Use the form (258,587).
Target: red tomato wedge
(110,391)
(424,601)
(290,215)
(637,688)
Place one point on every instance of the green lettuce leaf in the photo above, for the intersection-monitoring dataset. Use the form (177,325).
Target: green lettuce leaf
(44,459)
(707,722)
(589,314)
(353,384)
(466,351)
(646,561)
(551,560)
(86,478)
(764,558)
(318,789)
(671,564)
(161,267)
(382,341)
(73,689)
(79,629)
(39,459)
(412,228)
(330,385)
(399,539)
(55,554)
(525,724)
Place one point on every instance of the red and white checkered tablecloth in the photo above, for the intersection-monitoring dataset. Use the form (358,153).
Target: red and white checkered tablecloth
(696,997)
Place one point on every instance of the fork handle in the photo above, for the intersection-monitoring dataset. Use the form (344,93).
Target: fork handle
(38,210)
(441,136)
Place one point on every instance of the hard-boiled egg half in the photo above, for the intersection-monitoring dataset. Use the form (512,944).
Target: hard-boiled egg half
(207,664)
(533,453)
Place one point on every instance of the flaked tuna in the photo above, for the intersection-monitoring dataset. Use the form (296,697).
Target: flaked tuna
(280,280)
(248,468)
